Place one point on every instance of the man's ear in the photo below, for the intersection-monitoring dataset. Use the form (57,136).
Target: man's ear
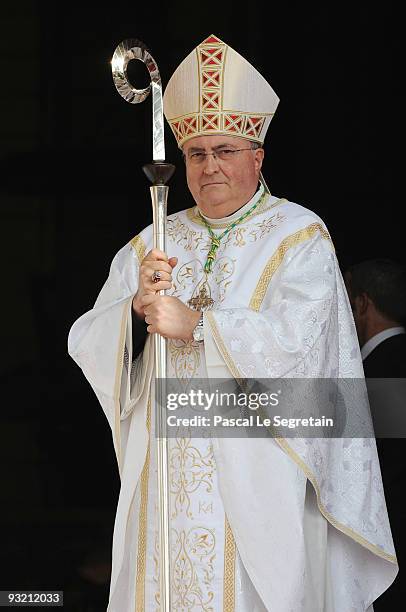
(259,157)
(361,303)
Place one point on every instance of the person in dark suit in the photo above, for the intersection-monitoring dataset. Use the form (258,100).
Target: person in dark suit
(377,293)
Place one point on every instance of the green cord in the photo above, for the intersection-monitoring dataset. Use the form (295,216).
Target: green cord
(215,240)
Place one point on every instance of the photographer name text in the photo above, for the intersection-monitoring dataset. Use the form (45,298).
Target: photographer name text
(253,420)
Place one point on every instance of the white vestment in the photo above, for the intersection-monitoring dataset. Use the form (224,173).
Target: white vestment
(285,525)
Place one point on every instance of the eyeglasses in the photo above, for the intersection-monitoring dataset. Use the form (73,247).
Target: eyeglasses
(198,157)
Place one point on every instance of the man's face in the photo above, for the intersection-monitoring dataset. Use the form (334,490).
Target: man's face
(221,186)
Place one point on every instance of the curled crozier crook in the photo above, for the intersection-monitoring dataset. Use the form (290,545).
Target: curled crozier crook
(125,52)
(158,172)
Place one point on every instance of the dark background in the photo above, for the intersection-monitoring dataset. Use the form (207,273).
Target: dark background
(73,193)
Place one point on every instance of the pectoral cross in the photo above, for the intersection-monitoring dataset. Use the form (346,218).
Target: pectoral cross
(202,301)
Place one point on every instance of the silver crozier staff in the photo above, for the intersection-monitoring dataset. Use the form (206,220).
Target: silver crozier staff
(158,173)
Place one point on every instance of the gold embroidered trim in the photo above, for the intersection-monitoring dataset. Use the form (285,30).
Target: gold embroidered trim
(229,569)
(222,347)
(347,530)
(281,441)
(228,123)
(274,262)
(139,247)
(224,110)
(284,445)
(194,216)
(142,526)
(117,383)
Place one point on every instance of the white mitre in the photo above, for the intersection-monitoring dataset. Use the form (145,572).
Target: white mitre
(216,91)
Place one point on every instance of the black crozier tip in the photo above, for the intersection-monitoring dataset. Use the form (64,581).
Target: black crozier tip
(159,173)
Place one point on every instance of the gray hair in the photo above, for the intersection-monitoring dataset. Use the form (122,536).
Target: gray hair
(255,145)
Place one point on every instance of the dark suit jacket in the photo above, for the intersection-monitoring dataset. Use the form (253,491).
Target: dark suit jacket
(388,360)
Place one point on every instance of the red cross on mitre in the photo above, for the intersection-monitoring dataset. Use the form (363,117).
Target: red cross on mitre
(253,126)
(210,100)
(189,125)
(233,123)
(212,40)
(211,78)
(211,57)
(177,129)
(210,122)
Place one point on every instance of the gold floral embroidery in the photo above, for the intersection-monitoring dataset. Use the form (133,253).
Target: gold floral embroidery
(190,469)
(193,240)
(193,568)
(262,229)
(237,234)
(185,358)
(191,278)
(188,277)
(184,236)
(191,281)
(192,213)
(223,270)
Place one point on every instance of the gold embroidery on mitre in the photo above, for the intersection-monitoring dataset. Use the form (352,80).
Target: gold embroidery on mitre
(211,55)
(211,117)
